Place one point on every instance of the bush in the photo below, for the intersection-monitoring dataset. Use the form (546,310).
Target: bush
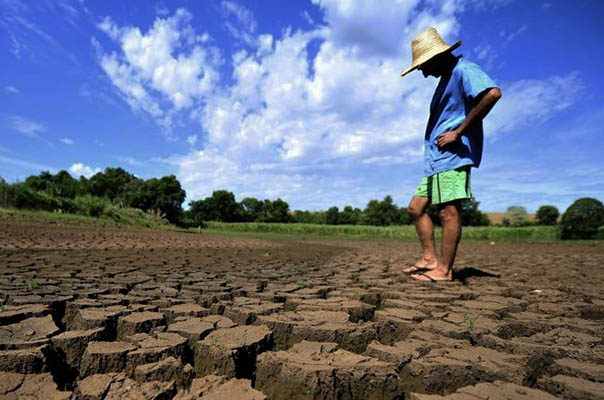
(582,219)
(547,215)
(517,216)
(91,205)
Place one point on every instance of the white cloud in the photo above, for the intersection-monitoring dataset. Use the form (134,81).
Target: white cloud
(66,141)
(27,127)
(192,139)
(12,90)
(152,74)
(301,125)
(244,26)
(130,161)
(79,169)
(532,102)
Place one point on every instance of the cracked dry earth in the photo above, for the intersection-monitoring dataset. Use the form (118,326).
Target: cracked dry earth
(138,314)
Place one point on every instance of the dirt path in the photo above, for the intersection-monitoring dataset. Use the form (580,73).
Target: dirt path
(105,313)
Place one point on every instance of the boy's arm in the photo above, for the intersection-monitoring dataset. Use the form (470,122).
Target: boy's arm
(476,114)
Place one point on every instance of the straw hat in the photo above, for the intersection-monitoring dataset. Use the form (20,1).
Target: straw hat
(427,45)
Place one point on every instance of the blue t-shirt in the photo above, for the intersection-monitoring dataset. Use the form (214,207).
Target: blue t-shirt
(453,99)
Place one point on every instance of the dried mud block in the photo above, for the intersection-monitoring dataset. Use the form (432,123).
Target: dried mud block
(444,370)
(118,387)
(246,314)
(492,390)
(30,332)
(71,345)
(572,388)
(579,369)
(194,329)
(455,331)
(185,310)
(232,351)
(91,318)
(104,357)
(357,311)
(24,361)
(394,324)
(154,347)
(219,321)
(95,386)
(213,387)
(566,337)
(140,322)
(433,296)
(30,387)
(168,369)
(313,370)
(14,314)
(73,307)
(319,326)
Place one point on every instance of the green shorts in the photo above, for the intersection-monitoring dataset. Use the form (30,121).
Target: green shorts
(446,186)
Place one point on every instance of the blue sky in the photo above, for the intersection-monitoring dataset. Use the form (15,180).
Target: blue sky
(302,102)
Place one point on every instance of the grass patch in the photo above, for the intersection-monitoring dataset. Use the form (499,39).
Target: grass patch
(112,217)
(398,233)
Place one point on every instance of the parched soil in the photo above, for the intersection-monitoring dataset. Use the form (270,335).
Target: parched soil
(92,313)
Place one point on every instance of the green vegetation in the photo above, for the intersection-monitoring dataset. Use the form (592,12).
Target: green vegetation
(583,219)
(516,216)
(547,215)
(119,197)
(106,193)
(471,322)
(400,232)
(32,284)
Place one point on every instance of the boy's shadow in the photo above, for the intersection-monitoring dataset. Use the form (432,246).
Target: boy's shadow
(469,272)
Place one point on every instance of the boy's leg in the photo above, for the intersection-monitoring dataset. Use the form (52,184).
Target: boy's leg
(425,233)
(451,234)
(451,188)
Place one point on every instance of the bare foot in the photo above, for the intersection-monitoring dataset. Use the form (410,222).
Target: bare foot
(421,265)
(433,276)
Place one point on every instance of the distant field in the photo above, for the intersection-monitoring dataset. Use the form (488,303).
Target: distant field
(497,217)
(404,232)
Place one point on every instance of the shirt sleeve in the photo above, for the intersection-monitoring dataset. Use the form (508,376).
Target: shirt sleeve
(474,81)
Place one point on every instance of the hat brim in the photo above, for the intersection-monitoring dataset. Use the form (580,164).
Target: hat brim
(414,67)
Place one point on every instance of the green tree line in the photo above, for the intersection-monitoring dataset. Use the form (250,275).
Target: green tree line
(164,197)
(114,186)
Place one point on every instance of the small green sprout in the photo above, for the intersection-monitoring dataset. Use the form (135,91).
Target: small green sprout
(471,321)
(32,284)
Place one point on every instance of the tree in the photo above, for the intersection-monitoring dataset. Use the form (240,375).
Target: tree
(221,206)
(381,213)
(225,206)
(547,215)
(164,194)
(331,217)
(350,216)
(517,216)
(110,183)
(582,219)
(276,211)
(471,216)
(404,217)
(251,209)
(309,217)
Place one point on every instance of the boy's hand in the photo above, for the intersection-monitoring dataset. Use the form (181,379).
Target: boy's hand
(447,138)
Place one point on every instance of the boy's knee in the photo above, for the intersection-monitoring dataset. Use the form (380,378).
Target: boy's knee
(448,212)
(414,211)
